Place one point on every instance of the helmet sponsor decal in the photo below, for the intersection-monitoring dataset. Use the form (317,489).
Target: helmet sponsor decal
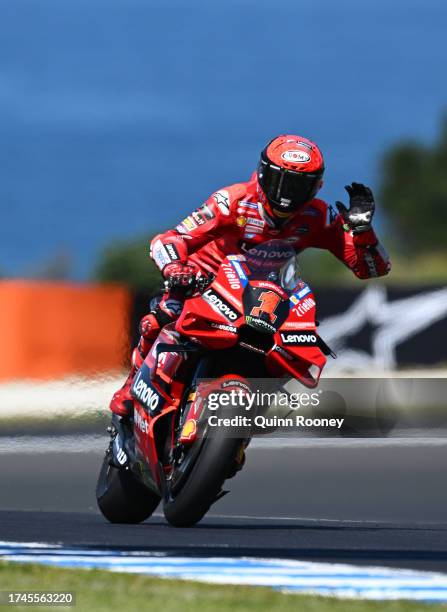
(296,157)
(302,338)
(220,305)
(305,144)
(223,201)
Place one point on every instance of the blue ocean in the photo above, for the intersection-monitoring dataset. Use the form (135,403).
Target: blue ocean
(117,117)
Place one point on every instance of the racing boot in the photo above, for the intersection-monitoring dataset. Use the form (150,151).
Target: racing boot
(122,401)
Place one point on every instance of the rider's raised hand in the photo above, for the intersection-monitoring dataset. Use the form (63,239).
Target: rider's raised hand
(361,207)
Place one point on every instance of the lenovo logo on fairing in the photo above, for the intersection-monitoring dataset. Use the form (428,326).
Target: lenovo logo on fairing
(303,339)
(144,393)
(219,304)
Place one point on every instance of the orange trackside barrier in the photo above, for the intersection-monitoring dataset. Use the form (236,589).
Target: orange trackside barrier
(52,329)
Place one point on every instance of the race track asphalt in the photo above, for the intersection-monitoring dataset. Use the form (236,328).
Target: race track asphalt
(355,503)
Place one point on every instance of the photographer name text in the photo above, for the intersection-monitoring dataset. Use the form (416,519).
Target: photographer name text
(266,422)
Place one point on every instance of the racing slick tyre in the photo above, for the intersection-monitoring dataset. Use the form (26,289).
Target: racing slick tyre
(121,498)
(204,483)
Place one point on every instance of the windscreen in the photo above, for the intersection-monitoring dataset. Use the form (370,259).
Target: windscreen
(275,261)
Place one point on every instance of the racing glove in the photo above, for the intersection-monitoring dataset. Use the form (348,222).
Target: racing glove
(361,208)
(179,277)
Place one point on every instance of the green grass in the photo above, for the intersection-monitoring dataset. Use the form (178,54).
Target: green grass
(103,591)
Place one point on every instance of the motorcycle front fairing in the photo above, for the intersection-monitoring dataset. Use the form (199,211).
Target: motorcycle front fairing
(263,290)
(214,317)
(296,350)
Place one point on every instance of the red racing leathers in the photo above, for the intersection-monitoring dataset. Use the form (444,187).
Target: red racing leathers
(233,220)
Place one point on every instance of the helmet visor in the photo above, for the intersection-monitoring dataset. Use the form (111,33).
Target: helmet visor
(286,189)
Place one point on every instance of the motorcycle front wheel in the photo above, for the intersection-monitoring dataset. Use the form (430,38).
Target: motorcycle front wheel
(204,483)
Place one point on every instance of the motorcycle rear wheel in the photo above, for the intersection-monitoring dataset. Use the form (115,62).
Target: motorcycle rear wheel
(121,497)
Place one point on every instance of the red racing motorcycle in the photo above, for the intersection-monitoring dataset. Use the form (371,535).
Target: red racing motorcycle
(254,319)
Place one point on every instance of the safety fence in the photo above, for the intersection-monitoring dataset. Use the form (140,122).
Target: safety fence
(53,330)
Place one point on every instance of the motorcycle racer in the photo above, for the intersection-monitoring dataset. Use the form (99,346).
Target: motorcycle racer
(278,201)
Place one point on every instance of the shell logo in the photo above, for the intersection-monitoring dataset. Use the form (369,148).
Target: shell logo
(189,431)
(296,157)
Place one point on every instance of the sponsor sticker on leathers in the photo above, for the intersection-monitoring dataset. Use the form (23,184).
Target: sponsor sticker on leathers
(223,201)
(172,251)
(160,255)
(189,223)
(206,212)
